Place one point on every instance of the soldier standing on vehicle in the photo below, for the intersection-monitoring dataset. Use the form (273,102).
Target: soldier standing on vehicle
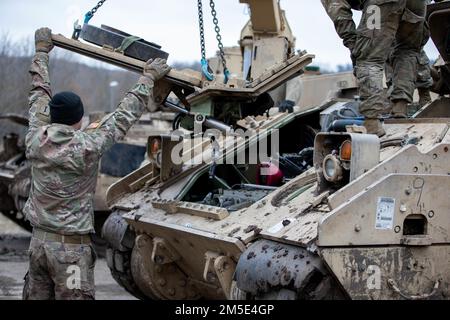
(382,23)
(64,170)
(424,81)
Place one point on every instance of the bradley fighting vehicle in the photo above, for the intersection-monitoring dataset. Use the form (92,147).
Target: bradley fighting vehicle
(365,219)
(265,206)
(14,169)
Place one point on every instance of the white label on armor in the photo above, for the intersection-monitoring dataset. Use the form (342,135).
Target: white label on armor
(280,226)
(385,214)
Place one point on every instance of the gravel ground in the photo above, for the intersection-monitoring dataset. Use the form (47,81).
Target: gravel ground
(14,264)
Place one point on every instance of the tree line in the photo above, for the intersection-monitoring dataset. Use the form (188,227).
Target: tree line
(91,81)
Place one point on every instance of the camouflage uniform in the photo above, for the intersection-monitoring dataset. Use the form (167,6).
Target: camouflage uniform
(64,173)
(402,21)
(424,81)
(369,47)
(340,12)
(51,275)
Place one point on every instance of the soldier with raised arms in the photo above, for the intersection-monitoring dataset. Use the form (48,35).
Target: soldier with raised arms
(64,166)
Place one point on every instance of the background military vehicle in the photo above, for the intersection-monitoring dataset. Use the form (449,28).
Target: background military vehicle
(15,172)
(369,220)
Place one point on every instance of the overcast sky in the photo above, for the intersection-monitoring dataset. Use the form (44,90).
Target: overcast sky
(174,23)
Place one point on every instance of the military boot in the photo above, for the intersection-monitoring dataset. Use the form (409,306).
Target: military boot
(374,126)
(425,96)
(400,109)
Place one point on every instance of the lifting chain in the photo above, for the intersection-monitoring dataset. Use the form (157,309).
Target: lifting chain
(87,17)
(205,67)
(91,13)
(202,29)
(219,39)
(206,70)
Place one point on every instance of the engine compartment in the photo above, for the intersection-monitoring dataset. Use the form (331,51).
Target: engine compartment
(238,186)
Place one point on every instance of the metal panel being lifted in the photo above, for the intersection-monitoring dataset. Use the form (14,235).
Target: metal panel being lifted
(122,42)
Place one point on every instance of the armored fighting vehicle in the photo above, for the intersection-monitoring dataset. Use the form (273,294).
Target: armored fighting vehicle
(335,214)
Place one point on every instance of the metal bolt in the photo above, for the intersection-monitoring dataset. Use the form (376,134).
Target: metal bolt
(171,292)
(435,156)
(431,214)
(358,228)
(408,191)
(416,169)
(398,229)
(403,208)
(162,282)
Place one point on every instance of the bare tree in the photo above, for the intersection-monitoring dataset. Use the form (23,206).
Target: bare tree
(90,81)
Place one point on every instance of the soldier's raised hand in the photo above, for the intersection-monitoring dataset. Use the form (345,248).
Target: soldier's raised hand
(43,40)
(156,69)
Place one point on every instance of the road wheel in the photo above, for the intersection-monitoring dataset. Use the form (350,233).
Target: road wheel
(120,265)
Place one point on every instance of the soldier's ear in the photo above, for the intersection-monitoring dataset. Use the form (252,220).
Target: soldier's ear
(77,126)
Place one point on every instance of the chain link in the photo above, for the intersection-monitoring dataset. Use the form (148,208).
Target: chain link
(206,70)
(95,9)
(218,35)
(202,29)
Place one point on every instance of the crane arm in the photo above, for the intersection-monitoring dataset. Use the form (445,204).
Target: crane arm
(265,15)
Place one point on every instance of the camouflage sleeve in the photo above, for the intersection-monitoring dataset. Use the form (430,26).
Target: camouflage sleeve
(40,93)
(341,14)
(101,136)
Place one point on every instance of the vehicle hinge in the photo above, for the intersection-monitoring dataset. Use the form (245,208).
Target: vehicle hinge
(163,253)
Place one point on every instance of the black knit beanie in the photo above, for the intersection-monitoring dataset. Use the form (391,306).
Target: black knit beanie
(66,108)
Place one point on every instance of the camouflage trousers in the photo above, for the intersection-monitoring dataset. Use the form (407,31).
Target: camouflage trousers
(60,271)
(423,77)
(401,22)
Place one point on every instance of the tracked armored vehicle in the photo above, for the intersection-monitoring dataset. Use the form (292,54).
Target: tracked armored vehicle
(355,217)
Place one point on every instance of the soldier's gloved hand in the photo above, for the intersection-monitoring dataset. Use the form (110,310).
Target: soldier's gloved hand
(43,40)
(156,69)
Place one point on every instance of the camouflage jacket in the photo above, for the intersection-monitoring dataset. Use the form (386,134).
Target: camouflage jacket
(340,12)
(65,161)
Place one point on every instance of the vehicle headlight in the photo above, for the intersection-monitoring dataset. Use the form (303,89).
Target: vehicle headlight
(332,169)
